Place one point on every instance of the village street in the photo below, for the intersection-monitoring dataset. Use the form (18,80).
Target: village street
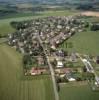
(51,69)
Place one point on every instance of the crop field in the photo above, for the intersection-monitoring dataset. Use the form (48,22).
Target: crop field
(5,27)
(78,92)
(84,42)
(14,86)
(25,5)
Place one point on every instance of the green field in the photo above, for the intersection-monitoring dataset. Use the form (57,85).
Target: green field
(84,42)
(5,27)
(83,92)
(14,86)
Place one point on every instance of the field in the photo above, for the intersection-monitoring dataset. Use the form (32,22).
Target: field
(5,27)
(78,92)
(14,86)
(84,42)
(25,5)
(90,13)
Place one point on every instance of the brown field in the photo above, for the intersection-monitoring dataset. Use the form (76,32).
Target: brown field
(90,13)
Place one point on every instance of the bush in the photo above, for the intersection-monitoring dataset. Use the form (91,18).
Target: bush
(27,61)
(0,36)
(94,27)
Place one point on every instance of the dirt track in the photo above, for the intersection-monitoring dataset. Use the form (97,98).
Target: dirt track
(90,13)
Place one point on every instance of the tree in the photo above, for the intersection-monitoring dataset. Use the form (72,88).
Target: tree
(84,69)
(94,27)
(0,36)
(54,63)
(90,76)
(86,24)
(64,79)
(27,61)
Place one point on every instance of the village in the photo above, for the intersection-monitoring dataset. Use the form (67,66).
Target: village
(53,31)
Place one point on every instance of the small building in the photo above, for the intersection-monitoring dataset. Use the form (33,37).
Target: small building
(40,60)
(38,71)
(71,79)
(63,70)
(60,64)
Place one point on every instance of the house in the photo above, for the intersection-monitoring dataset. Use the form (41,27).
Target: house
(40,60)
(63,70)
(38,71)
(97,80)
(60,53)
(73,57)
(70,77)
(53,47)
(60,64)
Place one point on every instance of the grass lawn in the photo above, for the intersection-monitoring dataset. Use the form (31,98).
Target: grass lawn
(84,42)
(14,86)
(5,27)
(83,92)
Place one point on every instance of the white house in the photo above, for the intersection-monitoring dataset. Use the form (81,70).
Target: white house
(60,64)
(71,79)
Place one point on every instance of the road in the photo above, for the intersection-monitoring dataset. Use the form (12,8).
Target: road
(51,70)
(89,67)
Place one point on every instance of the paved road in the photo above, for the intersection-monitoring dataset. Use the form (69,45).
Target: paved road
(89,67)
(51,70)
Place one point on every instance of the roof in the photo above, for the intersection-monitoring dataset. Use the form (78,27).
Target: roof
(71,79)
(59,64)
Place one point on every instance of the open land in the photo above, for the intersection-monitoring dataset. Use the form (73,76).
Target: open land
(14,86)
(5,27)
(90,13)
(84,42)
(80,92)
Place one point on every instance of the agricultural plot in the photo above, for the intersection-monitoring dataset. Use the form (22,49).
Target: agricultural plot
(77,92)
(84,42)
(14,86)
(5,27)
